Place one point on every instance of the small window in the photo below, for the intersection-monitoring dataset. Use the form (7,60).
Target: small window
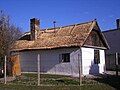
(96,57)
(66,57)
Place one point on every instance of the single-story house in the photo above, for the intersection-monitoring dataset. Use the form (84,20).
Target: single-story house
(63,50)
(113,38)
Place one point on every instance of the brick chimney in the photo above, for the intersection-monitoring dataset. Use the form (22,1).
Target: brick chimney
(34,28)
(118,23)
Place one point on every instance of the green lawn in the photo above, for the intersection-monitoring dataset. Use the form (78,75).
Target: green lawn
(59,82)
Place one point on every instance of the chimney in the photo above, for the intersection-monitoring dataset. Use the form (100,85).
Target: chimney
(118,23)
(34,28)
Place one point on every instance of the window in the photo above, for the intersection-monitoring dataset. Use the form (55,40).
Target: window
(119,59)
(66,57)
(96,57)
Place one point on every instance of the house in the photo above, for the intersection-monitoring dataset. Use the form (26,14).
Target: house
(63,50)
(113,38)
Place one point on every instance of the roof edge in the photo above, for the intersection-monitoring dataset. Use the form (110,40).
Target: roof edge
(91,27)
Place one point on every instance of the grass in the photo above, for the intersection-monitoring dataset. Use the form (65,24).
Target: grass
(31,79)
(59,82)
(84,87)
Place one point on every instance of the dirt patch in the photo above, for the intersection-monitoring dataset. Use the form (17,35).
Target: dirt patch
(8,79)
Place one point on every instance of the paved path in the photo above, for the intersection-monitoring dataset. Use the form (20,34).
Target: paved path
(112,73)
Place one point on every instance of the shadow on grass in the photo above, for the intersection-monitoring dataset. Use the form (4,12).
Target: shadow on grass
(112,80)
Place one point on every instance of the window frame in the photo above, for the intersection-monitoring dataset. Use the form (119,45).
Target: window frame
(65,57)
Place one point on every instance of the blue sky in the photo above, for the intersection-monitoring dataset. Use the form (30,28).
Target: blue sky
(64,12)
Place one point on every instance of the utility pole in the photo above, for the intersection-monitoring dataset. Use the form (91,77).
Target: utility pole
(38,58)
(5,70)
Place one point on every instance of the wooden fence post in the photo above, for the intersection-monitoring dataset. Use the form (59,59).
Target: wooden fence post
(116,62)
(79,68)
(5,70)
(38,59)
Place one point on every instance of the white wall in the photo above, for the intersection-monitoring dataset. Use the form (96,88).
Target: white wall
(88,61)
(50,62)
(102,61)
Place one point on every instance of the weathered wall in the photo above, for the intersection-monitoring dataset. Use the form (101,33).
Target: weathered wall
(75,56)
(50,61)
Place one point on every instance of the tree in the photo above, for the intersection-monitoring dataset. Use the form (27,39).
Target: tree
(8,34)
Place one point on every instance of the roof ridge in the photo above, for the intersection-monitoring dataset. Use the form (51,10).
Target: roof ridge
(69,25)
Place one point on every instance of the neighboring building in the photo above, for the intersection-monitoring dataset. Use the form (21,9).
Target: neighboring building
(62,50)
(113,39)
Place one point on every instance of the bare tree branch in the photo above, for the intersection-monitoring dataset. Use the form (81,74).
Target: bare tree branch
(8,34)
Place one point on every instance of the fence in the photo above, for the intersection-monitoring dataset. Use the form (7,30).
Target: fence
(38,78)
